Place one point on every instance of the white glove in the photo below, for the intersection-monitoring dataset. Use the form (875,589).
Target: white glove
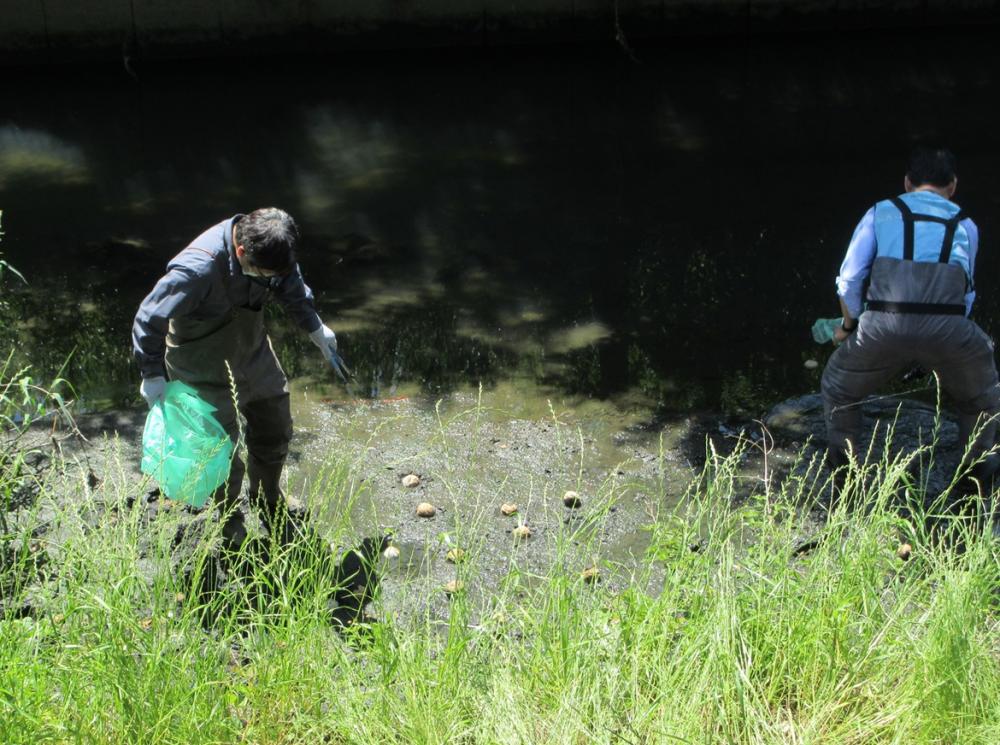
(326,340)
(152,389)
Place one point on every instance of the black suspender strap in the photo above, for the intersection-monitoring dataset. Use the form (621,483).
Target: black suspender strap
(949,237)
(907,216)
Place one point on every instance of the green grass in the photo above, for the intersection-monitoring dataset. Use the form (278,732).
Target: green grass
(738,642)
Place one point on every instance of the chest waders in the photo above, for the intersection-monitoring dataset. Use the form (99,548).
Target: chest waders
(915,316)
(212,355)
(928,285)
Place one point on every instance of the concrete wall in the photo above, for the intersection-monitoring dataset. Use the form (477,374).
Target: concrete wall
(63,30)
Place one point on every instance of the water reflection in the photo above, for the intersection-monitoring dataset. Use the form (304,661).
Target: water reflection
(581,222)
(37,157)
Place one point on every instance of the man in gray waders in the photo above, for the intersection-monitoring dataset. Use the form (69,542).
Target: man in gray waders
(917,253)
(204,319)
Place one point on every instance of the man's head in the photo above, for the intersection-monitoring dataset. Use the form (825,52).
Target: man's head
(265,242)
(932,168)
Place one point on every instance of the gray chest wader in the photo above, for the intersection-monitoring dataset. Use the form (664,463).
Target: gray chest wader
(915,315)
(198,351)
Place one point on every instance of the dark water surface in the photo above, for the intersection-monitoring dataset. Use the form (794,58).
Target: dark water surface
(666,229)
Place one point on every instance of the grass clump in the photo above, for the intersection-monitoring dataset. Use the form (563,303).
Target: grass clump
(728,631)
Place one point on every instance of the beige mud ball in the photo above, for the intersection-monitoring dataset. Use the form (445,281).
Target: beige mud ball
(572,500)
(521,532)
(810,364)
(591,575)
(426,509)
(411,481)
(391,552)
(454,587)
(455,556)
(508,508)
(905,551)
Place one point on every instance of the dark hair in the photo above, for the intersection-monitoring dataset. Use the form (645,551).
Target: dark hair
(933,166)
(269,236)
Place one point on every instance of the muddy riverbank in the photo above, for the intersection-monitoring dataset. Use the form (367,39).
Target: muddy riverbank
(474,453)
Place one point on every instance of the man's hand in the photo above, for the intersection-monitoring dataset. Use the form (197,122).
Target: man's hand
(326,340)
(152,389)
(840,333)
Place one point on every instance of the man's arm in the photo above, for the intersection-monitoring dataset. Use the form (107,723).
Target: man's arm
(971,230)
(855,269)
(177,293)
(296,296)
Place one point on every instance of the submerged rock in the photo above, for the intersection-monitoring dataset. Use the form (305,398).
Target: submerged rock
(572,500)
(411,481)
(426,509)
(455,555)
(454,587)
(508,508)
(905,551)
(521,533)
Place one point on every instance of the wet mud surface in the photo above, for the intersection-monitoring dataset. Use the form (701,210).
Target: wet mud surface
(470,459)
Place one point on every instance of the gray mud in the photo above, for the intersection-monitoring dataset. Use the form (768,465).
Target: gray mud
(472,453)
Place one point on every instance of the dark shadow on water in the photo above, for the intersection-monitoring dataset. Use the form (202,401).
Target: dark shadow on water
(596,224)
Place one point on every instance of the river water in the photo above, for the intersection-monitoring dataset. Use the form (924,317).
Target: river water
(657,231)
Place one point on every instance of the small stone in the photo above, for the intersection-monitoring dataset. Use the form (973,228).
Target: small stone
(179,597)
(905,551)
(426,509)
(591,575)
(454,587)
(508,508)
(146,624)
(455,556)
(810,364)
(391,552)
(411,481)
(572,500)
(521,532)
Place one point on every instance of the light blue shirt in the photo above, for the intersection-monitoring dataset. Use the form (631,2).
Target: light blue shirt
(861,254)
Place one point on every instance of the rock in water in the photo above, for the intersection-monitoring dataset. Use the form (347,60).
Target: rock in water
(508,508)
(426,509)
(572,500)
(411,481)
(521,532)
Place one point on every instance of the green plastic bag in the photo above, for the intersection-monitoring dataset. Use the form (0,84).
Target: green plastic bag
(184,447)
(823,329)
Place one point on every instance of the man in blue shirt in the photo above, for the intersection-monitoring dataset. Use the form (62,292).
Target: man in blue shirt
(916,253)
(203,324)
